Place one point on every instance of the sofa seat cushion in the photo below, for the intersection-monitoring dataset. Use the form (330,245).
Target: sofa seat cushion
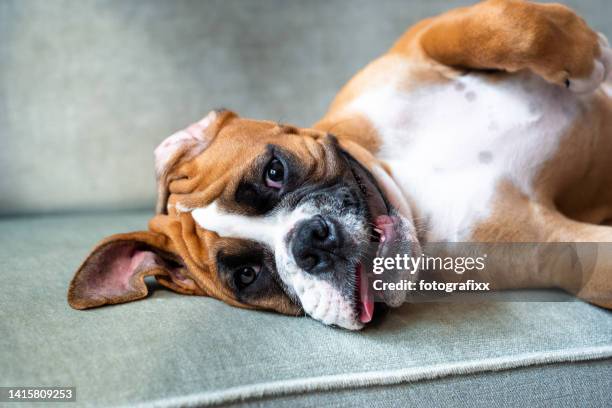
(173,350)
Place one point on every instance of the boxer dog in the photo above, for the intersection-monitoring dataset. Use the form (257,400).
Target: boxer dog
(491,123)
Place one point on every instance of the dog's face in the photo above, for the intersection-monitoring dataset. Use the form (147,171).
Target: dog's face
(259,215)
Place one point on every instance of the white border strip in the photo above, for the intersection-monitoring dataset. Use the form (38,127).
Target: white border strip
(377,378)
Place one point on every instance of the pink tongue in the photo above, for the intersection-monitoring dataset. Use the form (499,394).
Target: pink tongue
(366,304)
(386,224)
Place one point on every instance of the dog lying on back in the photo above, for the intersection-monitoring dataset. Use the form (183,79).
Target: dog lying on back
(491,123)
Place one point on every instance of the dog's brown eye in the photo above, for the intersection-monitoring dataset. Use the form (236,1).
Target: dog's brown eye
(246,275)
(275,174)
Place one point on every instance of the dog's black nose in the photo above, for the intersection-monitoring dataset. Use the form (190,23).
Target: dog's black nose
(315,241)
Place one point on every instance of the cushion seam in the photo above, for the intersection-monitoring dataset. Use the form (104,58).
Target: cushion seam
(342,381)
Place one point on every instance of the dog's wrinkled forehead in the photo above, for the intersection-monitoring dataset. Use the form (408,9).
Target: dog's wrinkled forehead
(223,157)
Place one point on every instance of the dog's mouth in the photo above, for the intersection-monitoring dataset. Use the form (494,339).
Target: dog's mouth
(383,232)
(384,228)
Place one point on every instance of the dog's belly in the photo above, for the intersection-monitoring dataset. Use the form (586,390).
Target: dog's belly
(450,145)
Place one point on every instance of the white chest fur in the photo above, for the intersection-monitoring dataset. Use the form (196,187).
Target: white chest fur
(450,145)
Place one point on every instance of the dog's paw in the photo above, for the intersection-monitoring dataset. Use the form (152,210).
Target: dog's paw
(602,65)
(562,48)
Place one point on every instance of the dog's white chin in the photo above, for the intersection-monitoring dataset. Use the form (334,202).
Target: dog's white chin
(321,301)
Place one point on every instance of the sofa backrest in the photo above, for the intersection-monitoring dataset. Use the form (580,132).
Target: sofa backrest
(89,88)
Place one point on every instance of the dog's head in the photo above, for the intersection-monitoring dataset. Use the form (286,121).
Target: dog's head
(259,215)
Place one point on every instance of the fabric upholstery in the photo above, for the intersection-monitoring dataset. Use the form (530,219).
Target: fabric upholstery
(550,386)
(179,350)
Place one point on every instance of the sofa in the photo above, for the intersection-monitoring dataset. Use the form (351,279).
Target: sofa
(89,88)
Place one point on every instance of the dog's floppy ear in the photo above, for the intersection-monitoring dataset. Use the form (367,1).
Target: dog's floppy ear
(114,271)
(182,146)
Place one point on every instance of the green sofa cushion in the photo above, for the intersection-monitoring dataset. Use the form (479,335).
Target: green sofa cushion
(173,350)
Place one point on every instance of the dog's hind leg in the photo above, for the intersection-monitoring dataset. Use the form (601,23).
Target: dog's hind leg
(579,177)
(517,219)
(512,35)
(596,285)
